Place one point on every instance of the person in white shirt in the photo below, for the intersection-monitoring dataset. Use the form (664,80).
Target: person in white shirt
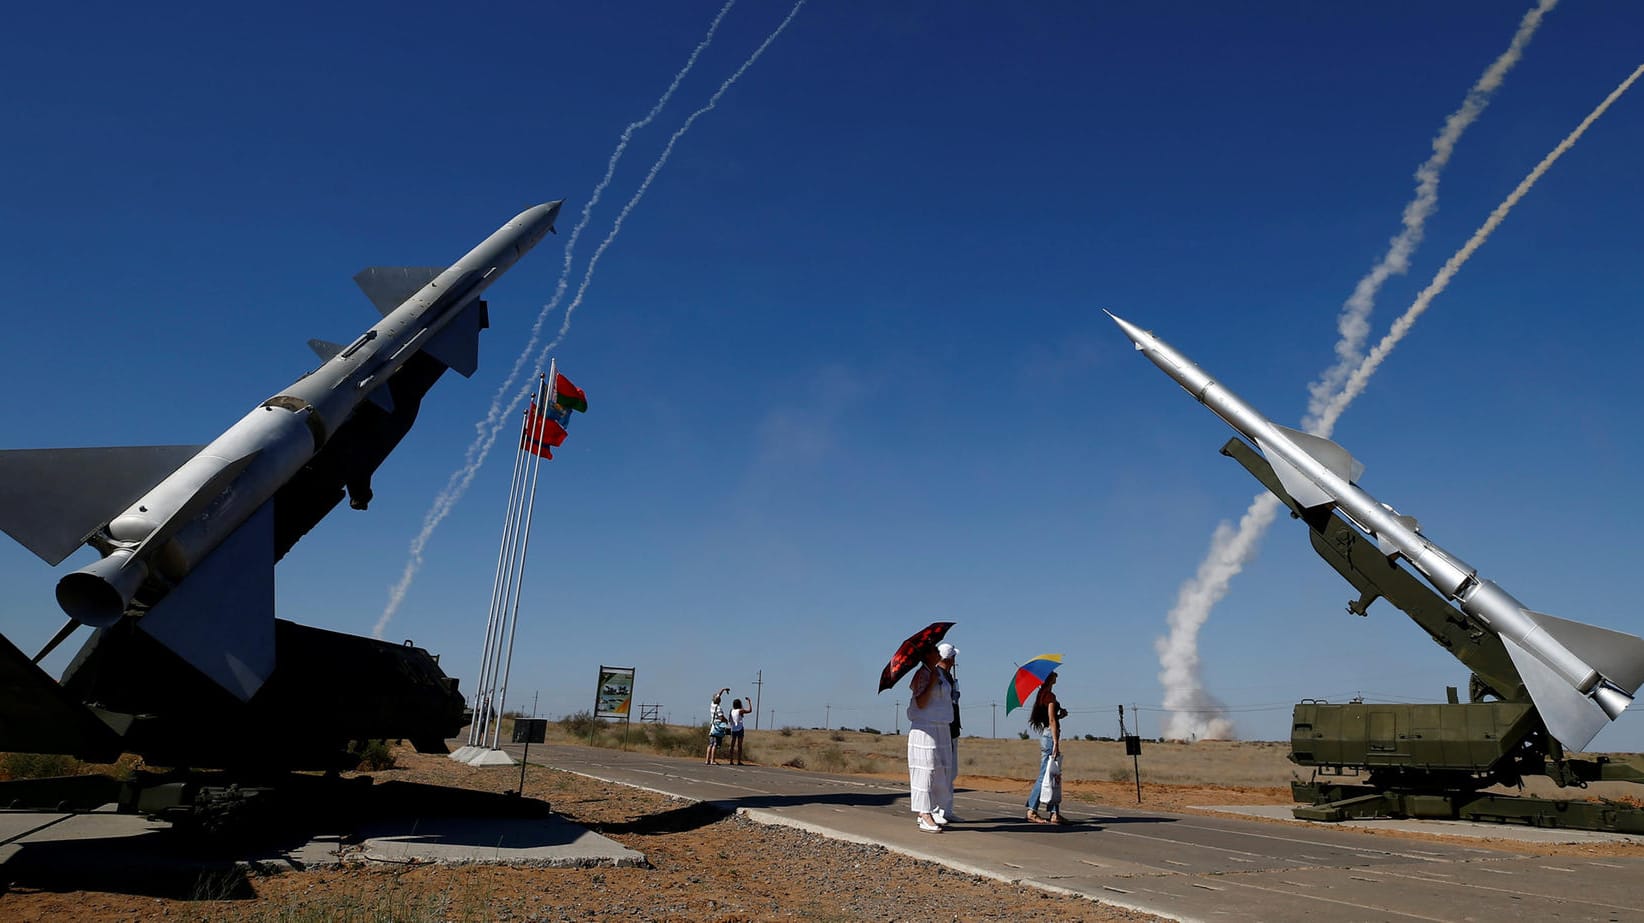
(737,714)
(930,712)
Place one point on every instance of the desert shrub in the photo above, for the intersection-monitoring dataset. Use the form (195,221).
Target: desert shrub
(37,765)
(1091,737)
(787,730)
(797,762)
(374,754)
(1121,774)
(1022,735)
(581,724)
(836,737)
(670,741)
(832,759)
(874,731)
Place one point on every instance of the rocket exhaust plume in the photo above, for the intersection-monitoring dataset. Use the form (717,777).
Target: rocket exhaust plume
(487,429)
(1195,714)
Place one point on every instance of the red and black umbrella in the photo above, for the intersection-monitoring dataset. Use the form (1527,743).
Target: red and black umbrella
(911,653)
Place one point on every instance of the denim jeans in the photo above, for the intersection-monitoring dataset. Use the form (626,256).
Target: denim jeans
(1047,744)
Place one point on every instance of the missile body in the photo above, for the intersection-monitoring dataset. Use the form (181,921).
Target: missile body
(187,514)
(1579,676)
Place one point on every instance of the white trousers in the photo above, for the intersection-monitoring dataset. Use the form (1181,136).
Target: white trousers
(930,777)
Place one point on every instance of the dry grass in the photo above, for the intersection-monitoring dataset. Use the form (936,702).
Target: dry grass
(1261,764)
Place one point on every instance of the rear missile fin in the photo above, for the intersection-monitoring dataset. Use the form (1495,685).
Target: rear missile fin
(457,346)
(52,500)
(221,619)
(1616,655)
(388,287)
(1572,718)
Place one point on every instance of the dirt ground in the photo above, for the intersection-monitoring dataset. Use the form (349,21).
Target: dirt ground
(704,867)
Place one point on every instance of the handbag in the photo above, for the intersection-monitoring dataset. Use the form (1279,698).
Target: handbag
(1050,787)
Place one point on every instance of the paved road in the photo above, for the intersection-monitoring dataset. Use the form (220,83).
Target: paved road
(1185,867)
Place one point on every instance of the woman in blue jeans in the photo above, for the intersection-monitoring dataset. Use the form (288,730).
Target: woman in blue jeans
(1046,718)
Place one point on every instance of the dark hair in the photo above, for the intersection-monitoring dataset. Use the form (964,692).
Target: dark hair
(736,703)
(1039,715)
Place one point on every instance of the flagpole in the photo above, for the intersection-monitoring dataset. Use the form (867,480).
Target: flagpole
(487,676)
(511,575)
(525,544)
(514,573)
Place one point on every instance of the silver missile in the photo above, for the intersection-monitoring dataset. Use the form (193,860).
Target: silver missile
(195,531)
(1579,676)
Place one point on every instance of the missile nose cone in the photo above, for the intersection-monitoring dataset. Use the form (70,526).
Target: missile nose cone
(1137,335)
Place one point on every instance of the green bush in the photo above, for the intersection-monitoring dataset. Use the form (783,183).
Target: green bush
(581,724)
(374,755)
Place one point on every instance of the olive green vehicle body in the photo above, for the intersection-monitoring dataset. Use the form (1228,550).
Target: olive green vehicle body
(1431,760)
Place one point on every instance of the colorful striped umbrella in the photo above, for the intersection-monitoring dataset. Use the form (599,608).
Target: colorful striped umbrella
(1029,677)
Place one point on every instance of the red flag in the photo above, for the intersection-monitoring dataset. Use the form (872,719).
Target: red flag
(542,433)
(568,395)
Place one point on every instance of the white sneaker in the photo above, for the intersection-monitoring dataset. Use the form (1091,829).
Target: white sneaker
(940,817)
(928,827)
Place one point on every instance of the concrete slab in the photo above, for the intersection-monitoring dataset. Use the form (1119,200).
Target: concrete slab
(1523,833)
(549,842)
(488,757)
(105,850)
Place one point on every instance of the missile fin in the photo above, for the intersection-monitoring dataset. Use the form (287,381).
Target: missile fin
(1299,486)
(388,287)
(382,397)
(1572,718)
(1327,453)
(457,345)
(221,619)
(52,500)
(1616,655)
(325,349)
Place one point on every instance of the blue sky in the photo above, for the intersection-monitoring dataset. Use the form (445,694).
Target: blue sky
(846,364)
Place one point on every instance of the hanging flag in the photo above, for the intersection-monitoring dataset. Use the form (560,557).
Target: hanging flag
(568,395)
(542,431)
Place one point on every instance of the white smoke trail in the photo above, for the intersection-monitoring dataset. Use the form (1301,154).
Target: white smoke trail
(1353,324)
(488,428)
(667,152)
(484,429)
(1194,712)
(1361,375)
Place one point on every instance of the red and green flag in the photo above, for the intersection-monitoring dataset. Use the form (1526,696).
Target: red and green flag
(568,395)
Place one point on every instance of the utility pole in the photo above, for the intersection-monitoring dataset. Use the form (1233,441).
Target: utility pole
(759,687)
(896,716)
(534,693)
(827,717)
(995,707)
